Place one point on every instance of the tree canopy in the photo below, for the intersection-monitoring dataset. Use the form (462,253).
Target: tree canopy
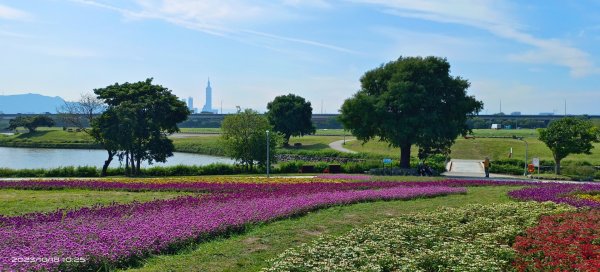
(290,115)
(569,135)
(412,100)
(31,123)
(138,118)
(245,138)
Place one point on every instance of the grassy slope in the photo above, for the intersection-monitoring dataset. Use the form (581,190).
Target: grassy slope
(495,148)
(16,202)
(49,138)
(251,251)
(210,144)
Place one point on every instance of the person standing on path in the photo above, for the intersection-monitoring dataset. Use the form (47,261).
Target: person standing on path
(486,167)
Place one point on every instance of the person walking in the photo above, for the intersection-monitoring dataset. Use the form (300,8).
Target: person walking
(486,167)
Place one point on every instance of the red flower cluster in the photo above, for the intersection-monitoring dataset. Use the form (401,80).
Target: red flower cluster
(564,242)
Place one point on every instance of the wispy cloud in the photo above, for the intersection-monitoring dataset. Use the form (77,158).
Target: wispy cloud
(8,13)
(494,17)
(217,17)
(323,4)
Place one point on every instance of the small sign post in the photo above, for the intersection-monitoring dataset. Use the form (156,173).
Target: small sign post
(536,163)
(386,161)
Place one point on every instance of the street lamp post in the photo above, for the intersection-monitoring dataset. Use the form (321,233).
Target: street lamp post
(268,163)
(526,148)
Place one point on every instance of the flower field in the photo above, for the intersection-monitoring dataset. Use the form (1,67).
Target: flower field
(115,235)
(473,238)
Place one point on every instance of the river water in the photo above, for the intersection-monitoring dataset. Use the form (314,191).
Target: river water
(20,158)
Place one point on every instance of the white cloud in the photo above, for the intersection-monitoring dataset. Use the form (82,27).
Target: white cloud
(308,3)
(412,43)
(205,11)
(494,17)
(224,18)
(9,13)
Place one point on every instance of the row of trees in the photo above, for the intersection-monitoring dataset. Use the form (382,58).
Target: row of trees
(410,101)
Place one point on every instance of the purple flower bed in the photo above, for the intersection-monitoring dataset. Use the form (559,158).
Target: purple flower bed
(117,234)
(185,186)
(345,176)
(559,193)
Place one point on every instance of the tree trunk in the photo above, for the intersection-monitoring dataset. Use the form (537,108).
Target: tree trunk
(133,173)
(127,163)
(286,140)
(557,167)
(137,167)
(107,162)
(405,156)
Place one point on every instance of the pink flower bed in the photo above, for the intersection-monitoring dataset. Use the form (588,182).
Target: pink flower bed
(115,235)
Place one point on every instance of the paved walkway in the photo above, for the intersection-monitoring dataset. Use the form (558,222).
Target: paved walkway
(339,146)
(458,168)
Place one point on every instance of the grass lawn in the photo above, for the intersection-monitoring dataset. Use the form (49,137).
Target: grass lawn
(210,144)
(251,250)
(506,132)
(17,202)
(48,138)
(200,130)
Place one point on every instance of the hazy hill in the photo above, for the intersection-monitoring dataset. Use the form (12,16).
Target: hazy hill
(29,103)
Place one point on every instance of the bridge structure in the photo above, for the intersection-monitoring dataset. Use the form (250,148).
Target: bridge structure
(329,121)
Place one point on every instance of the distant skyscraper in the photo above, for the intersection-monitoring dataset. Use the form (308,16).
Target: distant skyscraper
(190,104)
(208,105)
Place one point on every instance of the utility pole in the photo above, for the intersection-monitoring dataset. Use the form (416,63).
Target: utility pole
(321,106)
(268,163)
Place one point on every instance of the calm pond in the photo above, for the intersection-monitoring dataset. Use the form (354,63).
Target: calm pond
(20,158)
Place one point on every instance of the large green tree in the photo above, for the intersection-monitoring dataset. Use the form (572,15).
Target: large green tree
(138,118)
(569,135)
(290,115)
(245,138)
(31,123)
(412,100)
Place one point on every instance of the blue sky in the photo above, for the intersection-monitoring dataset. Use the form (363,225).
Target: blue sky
(531,55)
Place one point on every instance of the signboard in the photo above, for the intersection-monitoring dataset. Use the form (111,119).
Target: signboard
(536,162)
(387,161)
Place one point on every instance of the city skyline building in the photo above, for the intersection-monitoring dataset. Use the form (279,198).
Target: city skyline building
(208,104)
(190,104)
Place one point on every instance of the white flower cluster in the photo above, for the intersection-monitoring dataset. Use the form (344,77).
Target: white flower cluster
(472,238)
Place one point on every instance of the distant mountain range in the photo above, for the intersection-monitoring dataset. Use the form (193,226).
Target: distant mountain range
(29,103)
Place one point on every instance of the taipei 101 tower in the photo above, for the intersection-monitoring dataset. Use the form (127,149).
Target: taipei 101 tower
(208,105)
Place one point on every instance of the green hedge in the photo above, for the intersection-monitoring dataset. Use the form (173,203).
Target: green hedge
(182,170)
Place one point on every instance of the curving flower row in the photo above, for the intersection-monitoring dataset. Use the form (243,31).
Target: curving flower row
(114,235)
(560,193)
